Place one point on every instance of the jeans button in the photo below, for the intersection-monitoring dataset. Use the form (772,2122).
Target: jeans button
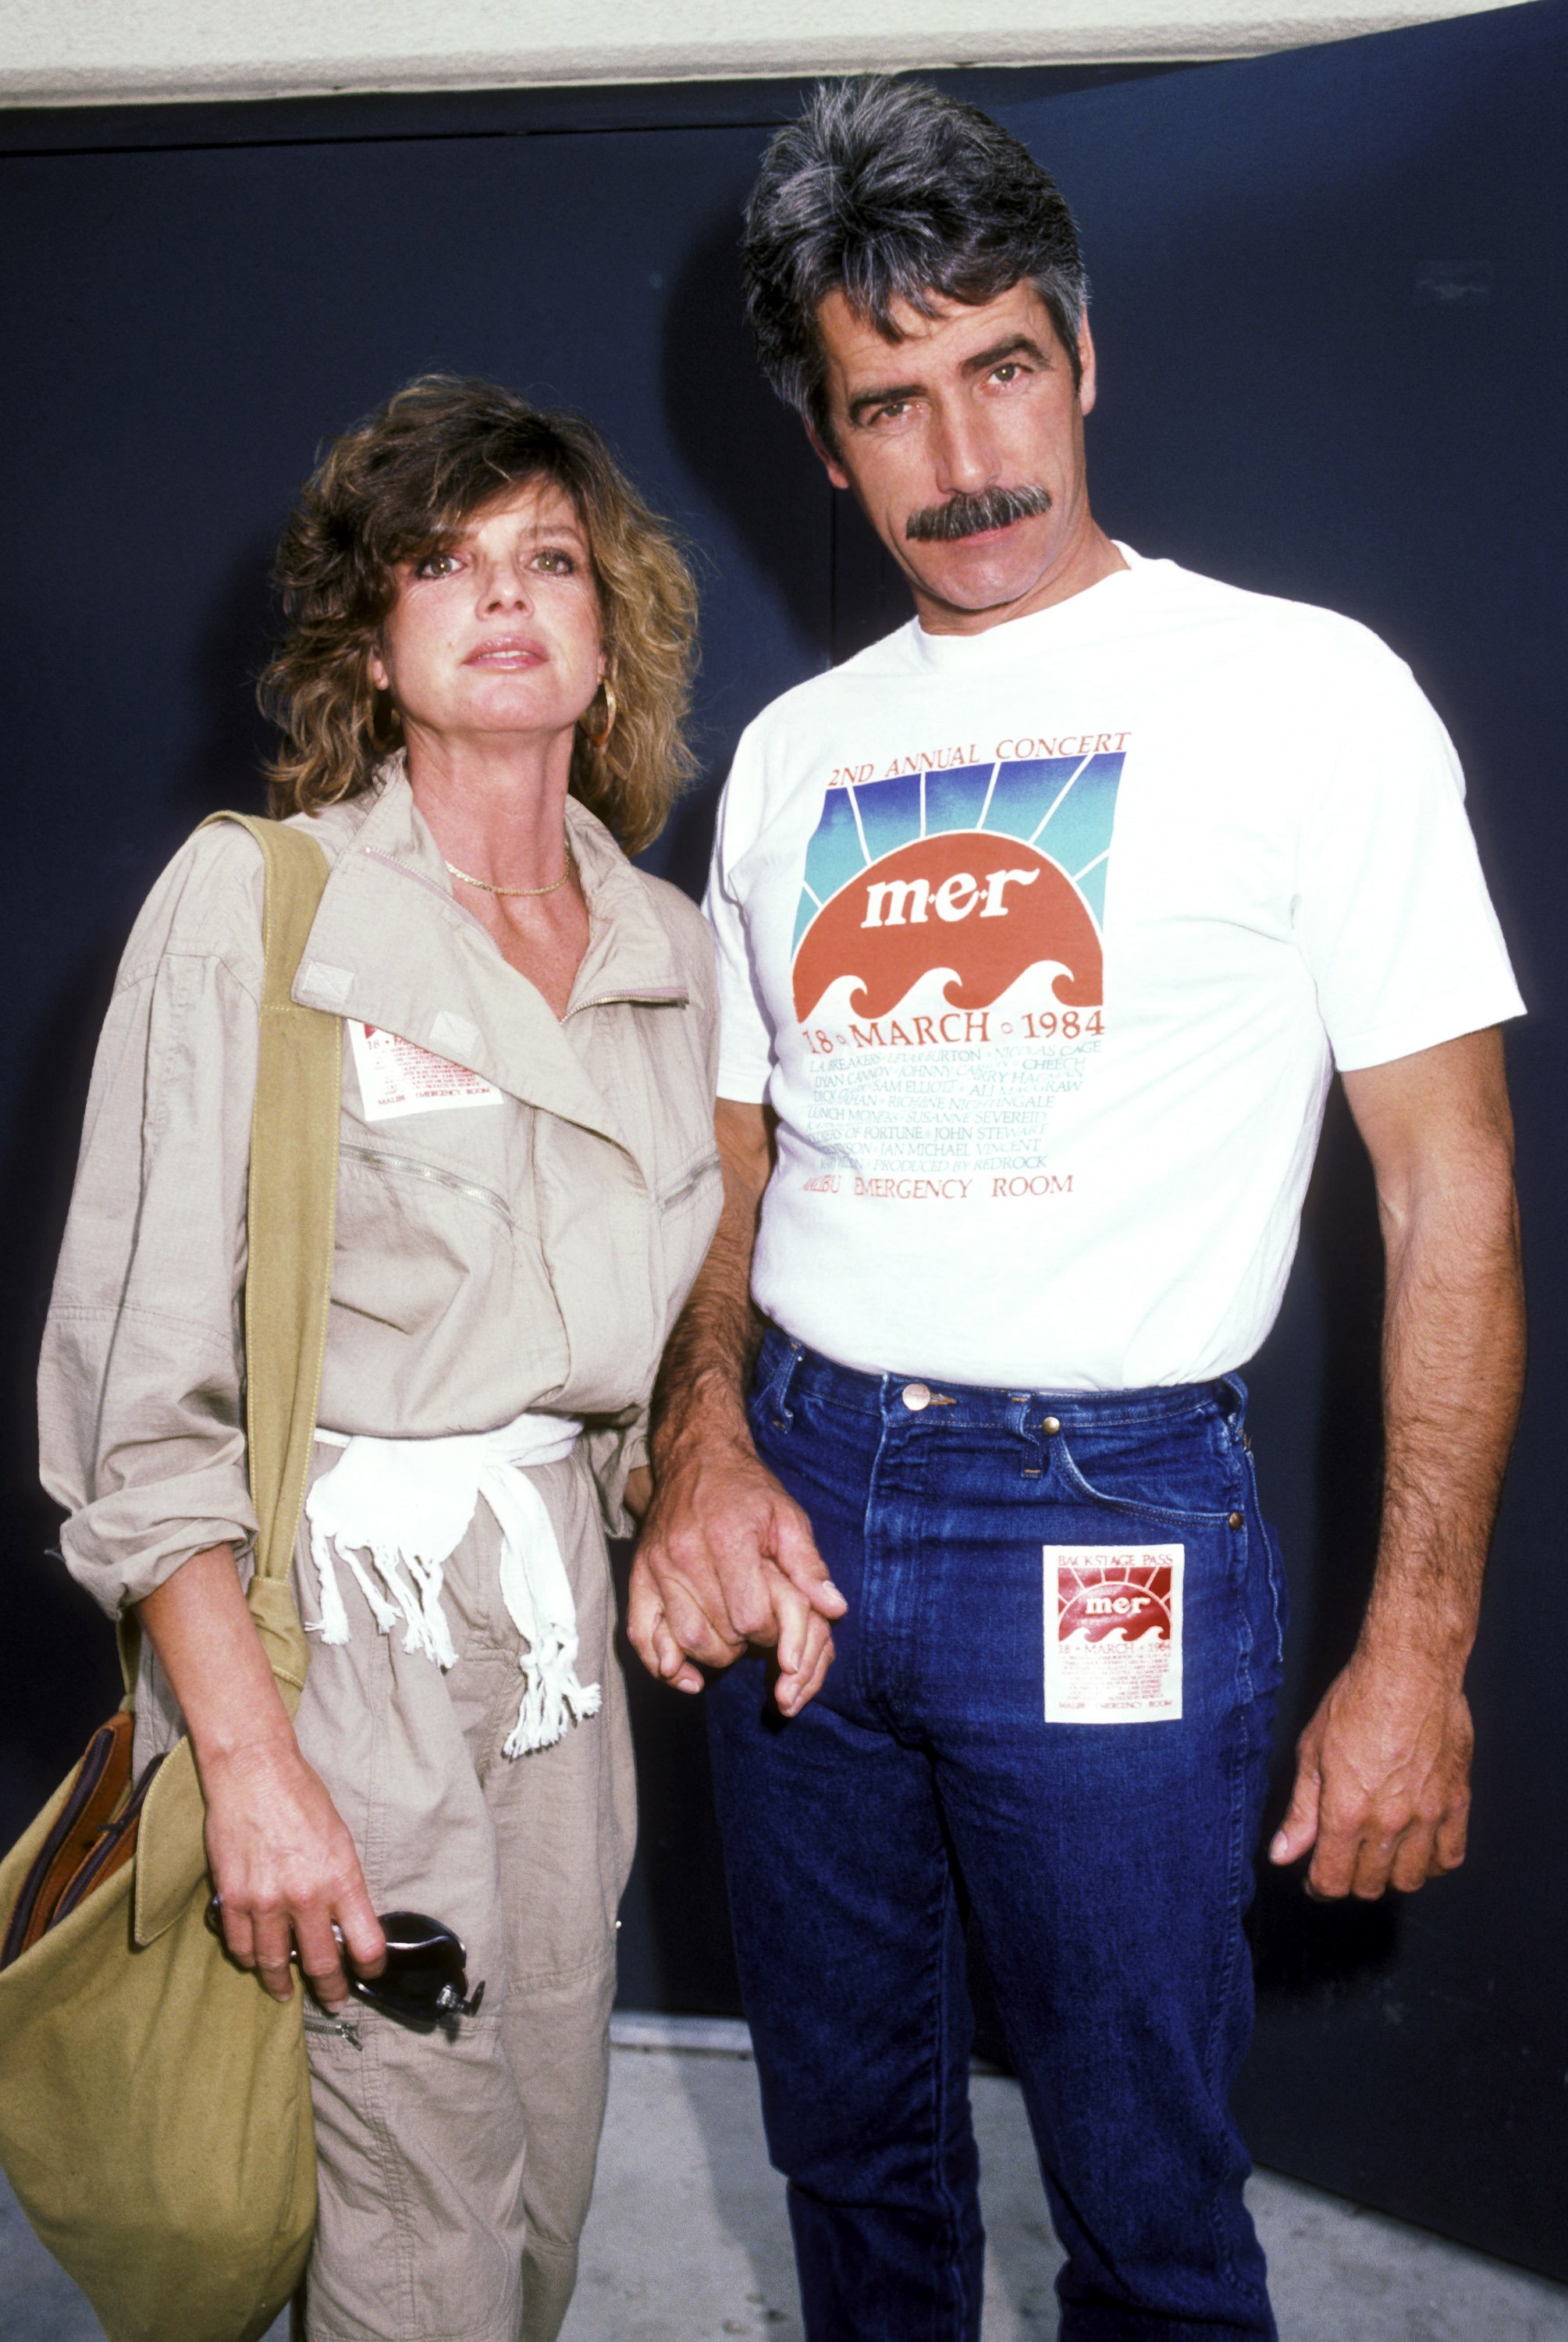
(1238,1520)
(915,1395)
(1050,1426)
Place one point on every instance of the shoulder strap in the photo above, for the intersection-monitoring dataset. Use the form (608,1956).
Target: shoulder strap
(290,1222)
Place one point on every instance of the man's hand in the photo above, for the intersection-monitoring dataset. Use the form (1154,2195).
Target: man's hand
(727,1561)
(1383,1780)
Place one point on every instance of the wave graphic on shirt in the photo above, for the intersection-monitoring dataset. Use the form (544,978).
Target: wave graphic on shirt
(972,877)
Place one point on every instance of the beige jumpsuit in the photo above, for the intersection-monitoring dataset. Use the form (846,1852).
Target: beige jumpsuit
(527,1251)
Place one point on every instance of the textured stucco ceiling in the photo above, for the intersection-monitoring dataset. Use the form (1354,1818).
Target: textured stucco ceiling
(76,51)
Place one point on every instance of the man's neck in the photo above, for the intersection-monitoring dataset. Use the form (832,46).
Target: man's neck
(1091,558)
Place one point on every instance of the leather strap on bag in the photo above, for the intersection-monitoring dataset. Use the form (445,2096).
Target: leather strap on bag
(290,1219)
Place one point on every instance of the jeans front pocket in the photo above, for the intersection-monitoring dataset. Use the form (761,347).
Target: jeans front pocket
(1143,1474)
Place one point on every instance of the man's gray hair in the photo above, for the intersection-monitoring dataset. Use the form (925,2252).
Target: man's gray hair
(887,191)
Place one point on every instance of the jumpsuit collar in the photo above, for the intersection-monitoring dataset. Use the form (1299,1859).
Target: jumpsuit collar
(392,947)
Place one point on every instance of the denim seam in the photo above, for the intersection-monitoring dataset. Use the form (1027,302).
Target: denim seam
(882,1682)
(938,2134)
(1225,1980)
(1235,1767)
(1271,1553)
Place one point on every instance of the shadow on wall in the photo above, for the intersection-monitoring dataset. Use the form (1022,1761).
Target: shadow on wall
(675,1949)
(1335,1307)
(225,768)
(752,461)
(71,1680)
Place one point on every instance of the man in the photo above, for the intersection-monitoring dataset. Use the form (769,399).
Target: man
(1041,928)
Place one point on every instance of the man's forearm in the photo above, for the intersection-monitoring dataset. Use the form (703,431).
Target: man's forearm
(1382,1794)
(1453,1366)
(701,1388)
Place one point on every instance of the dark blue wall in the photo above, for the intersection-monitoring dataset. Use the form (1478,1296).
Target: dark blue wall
(1331,342)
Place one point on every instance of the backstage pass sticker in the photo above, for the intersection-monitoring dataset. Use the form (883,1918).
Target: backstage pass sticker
(397,1077)
(1113,1633)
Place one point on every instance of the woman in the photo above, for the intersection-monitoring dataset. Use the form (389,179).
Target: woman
(481,697)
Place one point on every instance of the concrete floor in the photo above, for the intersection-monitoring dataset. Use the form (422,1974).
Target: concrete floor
(687,2240)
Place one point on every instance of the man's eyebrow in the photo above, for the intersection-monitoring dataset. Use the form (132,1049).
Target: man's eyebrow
(886,396)
(1016,345)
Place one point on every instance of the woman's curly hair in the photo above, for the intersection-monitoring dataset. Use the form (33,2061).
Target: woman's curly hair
(403,485)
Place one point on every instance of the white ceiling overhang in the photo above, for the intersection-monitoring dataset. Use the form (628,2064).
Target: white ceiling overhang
(81,52)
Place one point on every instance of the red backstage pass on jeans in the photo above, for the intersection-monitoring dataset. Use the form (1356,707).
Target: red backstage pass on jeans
(1113,1633)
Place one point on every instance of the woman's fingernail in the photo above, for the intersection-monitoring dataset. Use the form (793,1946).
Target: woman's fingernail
(1279,1846)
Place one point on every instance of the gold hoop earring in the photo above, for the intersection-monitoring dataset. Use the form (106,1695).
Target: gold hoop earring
(611,709)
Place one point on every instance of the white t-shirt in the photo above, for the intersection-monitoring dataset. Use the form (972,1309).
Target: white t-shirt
(1042,943)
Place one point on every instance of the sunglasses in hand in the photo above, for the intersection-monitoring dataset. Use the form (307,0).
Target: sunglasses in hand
(425,1980)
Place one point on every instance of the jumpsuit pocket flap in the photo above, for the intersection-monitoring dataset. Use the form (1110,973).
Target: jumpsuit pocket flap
(171,1845)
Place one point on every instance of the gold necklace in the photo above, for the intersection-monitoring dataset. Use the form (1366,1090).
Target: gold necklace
(486,887)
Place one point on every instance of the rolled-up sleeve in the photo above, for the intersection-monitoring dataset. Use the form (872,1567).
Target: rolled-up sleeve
(140,1388)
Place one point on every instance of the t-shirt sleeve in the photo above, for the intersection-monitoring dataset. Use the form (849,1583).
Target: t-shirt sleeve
(1391,911)
(745,1030)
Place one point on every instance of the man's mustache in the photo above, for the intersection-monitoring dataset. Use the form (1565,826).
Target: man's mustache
(964,515)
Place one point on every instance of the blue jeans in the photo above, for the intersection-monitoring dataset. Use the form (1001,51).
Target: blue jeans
(1108,1865)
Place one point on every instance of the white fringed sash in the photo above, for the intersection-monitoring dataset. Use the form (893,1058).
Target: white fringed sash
(408,1505)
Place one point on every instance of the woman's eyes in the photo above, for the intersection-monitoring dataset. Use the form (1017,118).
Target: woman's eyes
(553,559)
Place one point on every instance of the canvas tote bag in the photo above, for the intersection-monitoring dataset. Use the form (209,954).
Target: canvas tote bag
(155,2102)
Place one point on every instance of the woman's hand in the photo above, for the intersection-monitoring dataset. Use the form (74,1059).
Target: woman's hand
(286,1873)
(639,1491)
(282,1858)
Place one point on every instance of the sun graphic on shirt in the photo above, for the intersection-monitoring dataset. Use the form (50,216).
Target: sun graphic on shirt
(973,875)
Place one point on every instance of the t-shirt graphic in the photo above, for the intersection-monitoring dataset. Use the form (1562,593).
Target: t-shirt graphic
(948,966)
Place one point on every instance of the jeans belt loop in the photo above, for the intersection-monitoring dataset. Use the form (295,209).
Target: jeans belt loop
(777,1393)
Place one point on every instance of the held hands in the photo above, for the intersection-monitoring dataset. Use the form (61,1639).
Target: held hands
(726,1560)
(286,1872)
(1382,1780)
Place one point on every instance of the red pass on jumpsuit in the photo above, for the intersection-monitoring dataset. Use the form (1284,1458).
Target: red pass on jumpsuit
(1113,1633)
(397,1077)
